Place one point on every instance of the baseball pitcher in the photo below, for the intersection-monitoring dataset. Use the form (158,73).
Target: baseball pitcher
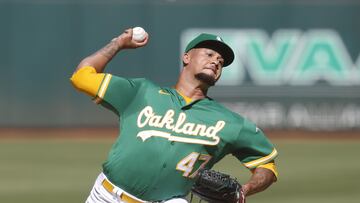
(170,135)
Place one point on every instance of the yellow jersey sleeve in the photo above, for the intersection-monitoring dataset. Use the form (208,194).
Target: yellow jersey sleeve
(271,166)
(87,80)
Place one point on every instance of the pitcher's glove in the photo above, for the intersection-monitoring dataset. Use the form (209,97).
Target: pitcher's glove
(216,187)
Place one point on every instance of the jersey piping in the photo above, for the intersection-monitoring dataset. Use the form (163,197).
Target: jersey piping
(104,85)
(262,160)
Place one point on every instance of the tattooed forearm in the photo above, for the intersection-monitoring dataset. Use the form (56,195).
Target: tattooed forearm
(99,59)
(260,180)
(110,49)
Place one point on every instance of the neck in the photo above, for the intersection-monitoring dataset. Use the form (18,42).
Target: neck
(192,88)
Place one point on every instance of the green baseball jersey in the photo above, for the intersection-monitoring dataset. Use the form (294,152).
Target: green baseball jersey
(164,141)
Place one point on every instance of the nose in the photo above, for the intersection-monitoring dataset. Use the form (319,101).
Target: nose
(217,64)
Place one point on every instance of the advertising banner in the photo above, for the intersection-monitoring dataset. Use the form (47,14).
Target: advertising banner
(290,78)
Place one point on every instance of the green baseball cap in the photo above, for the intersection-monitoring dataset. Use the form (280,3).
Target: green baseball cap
(213,42)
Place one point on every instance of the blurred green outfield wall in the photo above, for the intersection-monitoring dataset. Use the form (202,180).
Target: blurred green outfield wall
(42,41)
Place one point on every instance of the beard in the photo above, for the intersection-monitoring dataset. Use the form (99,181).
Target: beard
(207,79)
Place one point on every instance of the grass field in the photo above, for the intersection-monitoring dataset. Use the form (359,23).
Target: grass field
(63,170)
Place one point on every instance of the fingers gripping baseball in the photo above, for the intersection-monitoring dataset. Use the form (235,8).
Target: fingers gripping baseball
(131,40)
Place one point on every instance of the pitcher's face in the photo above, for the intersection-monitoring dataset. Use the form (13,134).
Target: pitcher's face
(206,64)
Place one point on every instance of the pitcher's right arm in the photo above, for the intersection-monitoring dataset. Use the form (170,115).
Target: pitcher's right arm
(88,75)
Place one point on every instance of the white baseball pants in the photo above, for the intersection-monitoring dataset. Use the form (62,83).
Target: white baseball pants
(99,194)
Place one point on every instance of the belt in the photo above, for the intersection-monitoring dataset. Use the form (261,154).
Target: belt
(123,196)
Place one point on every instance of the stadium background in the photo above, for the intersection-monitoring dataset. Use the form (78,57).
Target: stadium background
(53,139)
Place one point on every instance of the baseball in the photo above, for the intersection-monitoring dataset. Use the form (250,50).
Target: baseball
(138,34)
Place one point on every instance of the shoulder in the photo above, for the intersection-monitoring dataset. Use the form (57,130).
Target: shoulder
(146,83)
(228,113)
(134,81)
(243,124)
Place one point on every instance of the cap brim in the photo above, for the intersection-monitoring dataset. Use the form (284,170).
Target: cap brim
(223,49)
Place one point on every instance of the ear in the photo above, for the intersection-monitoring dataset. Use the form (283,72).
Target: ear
(186,59)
